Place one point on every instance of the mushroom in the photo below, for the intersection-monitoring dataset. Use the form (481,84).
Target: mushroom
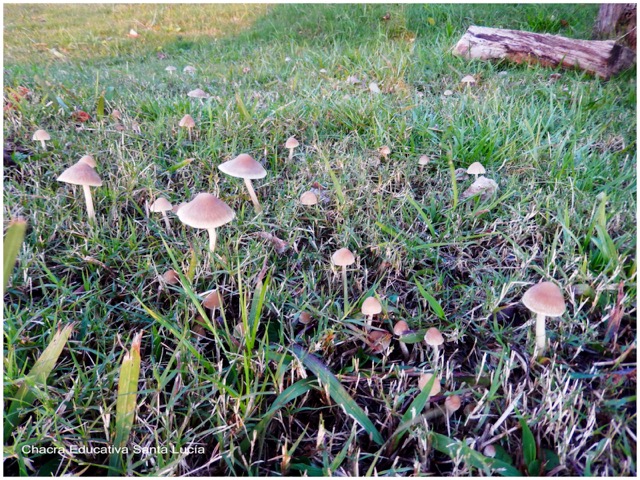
(309,198)
(545,300)
(41,136)
(343,258)
(291,144)
(171,277)
(378,341)
(245,167)
(171,69)
(116,114)
(213,301)
(82,174)
(385,151)
(399,329)
(476,169)
(198,93)
(434,338)
(489,451)
(189,69)
(187,122)
(89,160)
(305,318)
(370,307)
(423,160)
(468,80)
(452,404)
(206,211)
(162,205)
(424,379)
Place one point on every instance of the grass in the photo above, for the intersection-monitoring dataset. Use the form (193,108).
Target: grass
(254,391)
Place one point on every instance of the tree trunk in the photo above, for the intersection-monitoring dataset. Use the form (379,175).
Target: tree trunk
(602,58)
(617,20)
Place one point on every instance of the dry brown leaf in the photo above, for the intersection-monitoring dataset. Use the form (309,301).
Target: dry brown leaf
(483,186)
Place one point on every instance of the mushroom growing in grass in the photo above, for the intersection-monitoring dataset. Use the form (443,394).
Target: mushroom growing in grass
(187,122)
(206,211)
(399,329)
(424,380)
(545,300)
(162,205)
(476,169)
(82,174)
(213,301)
(423,160)
(385,151)
(189,69)
(198,93)
(245,167)
(41,136)
(291,144)
(343,258)
(452,404)
(434,339)
(370,307)
(171,277)
(171,69)
(309,198)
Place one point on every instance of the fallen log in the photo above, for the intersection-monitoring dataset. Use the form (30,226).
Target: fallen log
(602,58)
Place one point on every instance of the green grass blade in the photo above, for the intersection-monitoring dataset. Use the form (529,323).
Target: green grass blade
(423,215)
(455,449)
(338,393)
(454,182)
(126,401)
(36,379)
(244,113)
(435,305)
(529,451)
(412,412)
(12,241)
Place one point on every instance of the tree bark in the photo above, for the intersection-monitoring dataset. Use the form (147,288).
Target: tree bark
(602,58)
(617,20)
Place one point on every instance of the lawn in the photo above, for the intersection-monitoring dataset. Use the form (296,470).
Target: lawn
(288,376)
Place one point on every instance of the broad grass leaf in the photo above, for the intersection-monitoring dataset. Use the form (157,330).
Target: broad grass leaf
(337,392)
(12,242)
(435,306)
(529,451)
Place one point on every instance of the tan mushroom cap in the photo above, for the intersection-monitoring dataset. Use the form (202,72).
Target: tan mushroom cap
(476,168)
(424,379)
(371,306)
(423,160)
(309,198)
(343,257)
(213,300)
(545,298)
(161,205)
(205,211)
(80,174)
(468,79)
(433,337)
(198,93)
(305,318)
(187,121)
(379,341)
(171,68)
(401,328)
(89,160)
(189,69)
(292,143)
(171,277)
(385,150)
(452,403)
(243,166)
(41,135)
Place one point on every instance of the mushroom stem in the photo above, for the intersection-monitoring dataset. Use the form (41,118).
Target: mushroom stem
(189,134)
(166,221)
(212,238)
(253,196)
(405,350)
(435,356)
(290,153)
(89,200)
(44,146)
(541,338)
(344,285)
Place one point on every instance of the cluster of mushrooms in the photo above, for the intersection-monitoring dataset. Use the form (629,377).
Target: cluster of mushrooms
(206,211)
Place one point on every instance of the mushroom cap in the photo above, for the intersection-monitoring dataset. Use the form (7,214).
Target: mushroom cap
(89,160)
(80,174)
(305,317)
(171,68)
(198,93)
(291,143)
(243,166)
(116,114)
(424,379)
(171,277)
(371,306)
(189,69)
(401,328)
(41,135)
(385,150)
(343,257)
(308,198)
(161,205)
(452,403)
(205,211)
(187,121)
(213,300)
(489,451)
(379,341)
(424,159)
(476,168)
(433,337)
(545,298)
(468,79)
